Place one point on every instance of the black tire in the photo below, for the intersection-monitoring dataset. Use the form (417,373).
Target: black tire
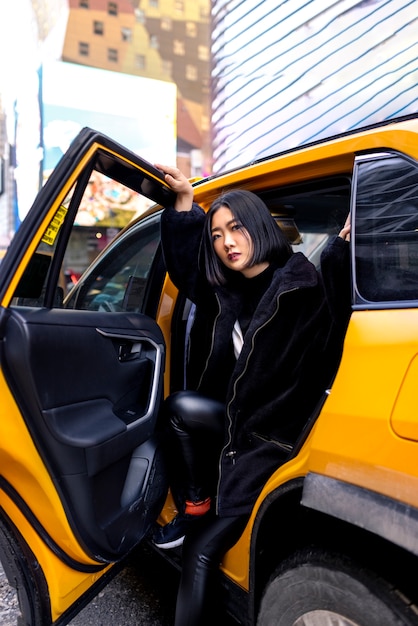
(331,592)
(25,591)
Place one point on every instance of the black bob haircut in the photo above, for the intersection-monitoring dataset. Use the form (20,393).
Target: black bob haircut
(268,240)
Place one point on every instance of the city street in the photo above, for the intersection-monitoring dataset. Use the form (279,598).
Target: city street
(143,593)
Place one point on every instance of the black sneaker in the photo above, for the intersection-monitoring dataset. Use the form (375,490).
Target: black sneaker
(172,535)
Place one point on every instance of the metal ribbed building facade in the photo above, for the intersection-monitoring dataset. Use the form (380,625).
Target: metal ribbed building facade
(289,72)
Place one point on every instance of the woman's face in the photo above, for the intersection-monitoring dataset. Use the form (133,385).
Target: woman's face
(232,243)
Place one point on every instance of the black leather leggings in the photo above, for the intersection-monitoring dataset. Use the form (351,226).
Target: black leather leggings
(199,601)
(198,425)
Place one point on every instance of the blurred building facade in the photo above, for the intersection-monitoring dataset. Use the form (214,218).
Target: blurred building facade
(24,29)
(164,40)
(167,40)
(288,73)
(253,78)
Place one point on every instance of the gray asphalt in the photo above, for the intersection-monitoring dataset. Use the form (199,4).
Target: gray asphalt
(143,593)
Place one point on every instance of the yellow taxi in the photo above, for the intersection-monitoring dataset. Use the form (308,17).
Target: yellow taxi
(333,537)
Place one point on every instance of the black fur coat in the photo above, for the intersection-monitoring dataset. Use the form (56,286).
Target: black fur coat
(291,351)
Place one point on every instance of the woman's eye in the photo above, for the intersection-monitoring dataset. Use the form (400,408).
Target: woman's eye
(214,237)
(236,227)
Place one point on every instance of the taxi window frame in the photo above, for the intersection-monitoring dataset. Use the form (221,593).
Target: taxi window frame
(153,280)
(360,301)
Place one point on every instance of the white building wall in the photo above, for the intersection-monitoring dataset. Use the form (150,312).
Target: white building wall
(290,72)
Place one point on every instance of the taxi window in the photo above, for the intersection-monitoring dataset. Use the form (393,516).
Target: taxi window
(89,218)
(311,212)
(118,280)
(386,230)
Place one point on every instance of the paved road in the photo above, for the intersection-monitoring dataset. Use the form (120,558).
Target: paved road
(142,594)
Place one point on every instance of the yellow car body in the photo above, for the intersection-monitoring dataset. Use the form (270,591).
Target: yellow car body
(347,494)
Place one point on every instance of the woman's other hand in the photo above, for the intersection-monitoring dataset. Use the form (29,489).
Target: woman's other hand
(346,229)
(180,185)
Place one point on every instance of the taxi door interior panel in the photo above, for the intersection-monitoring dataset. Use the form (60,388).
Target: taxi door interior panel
(89,385)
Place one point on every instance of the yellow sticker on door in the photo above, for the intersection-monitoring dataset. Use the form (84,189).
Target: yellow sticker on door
(53,229)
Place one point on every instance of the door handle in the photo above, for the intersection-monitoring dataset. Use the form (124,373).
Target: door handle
(128,351)
(131,346)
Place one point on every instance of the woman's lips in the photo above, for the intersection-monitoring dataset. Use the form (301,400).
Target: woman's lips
(233,256)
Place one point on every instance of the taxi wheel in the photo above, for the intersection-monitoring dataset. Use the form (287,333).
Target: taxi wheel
(21,594)
(317,593)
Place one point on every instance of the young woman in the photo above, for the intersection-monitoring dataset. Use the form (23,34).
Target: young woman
(264,348)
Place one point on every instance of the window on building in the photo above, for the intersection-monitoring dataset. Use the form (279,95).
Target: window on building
(140,61)
(203,53)
(191,29)
(83,4)
(191,72)
(112,55)
(204,9)
(153,4)
(139,16)
(112,8)
(166,23)
(1,175)
(205,122)
(179,6)
(153,42)
(179,47)
(126,34)
(98,27)
(83,48)
(167,67)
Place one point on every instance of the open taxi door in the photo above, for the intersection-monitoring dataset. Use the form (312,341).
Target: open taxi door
(81,471)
